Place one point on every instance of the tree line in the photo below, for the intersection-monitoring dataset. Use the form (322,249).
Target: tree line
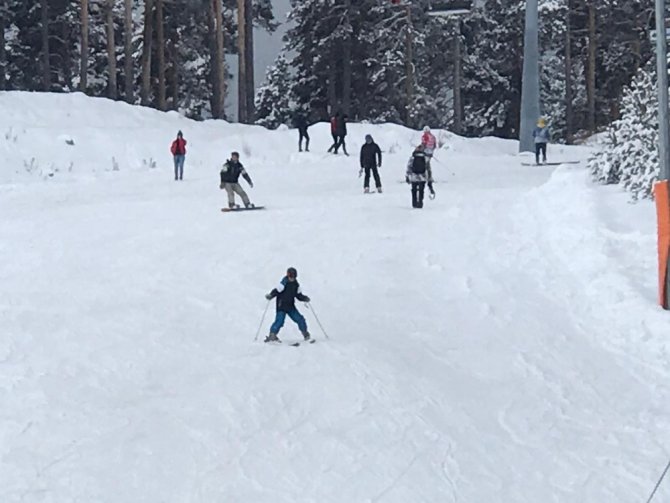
(167,54)
(384,61)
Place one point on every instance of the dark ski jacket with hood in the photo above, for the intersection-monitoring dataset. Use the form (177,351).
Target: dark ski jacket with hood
(286,293)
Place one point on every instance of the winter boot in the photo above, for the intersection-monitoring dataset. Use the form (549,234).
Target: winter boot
(272,337)
(379,190)
(306,335)
(366,190)
(232,206)
(250,205)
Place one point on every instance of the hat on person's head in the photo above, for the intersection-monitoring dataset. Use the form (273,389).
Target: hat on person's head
(291,272)
(179,133)
(426,129)
(235,154)
(368,138)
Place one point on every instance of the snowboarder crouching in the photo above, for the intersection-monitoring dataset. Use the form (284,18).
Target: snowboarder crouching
(418,174)
(230,175)
(286,294)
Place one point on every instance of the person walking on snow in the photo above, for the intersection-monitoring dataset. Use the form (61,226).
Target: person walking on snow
(230,175)
(429,143)
(418,174)
(300,122)
(333,131)
(542,137)
(286,294)
(178,150)
(341,132)
(371,159)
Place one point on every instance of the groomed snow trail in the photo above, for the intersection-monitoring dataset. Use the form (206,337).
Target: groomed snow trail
(493,347)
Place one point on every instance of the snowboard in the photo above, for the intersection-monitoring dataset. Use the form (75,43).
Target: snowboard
(242,208)
(549,163)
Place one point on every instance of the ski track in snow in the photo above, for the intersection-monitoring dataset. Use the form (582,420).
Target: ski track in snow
(501,345)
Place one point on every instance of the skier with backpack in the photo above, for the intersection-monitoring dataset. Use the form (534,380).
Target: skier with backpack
(178,150)
(230,176)
(371,159)
(418,174)
(286,294)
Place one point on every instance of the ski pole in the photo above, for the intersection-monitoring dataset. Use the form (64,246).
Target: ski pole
(309,306)
(262,320)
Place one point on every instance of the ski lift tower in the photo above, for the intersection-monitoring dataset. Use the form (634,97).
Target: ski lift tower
(530,80)
(448,10)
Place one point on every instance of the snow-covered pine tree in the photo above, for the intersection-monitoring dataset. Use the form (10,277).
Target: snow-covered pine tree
(629,154)
(273,100)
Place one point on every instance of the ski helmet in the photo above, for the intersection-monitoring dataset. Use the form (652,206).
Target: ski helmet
(426,129)
(291,272)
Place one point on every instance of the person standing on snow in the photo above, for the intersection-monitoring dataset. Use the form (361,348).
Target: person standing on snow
(341,132)
(429,143)
(300,122)
(178,150)
(334,120)
(418,174)
(542,137)
(371,159)
(286,294)
(230,175)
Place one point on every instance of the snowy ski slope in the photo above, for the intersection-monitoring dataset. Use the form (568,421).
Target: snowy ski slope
(501,345)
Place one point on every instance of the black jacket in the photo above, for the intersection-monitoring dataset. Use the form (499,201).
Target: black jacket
(300,122)
(341,126)
(231,171)
(286,293)
(371,155)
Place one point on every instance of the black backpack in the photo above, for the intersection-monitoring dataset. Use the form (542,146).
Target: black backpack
(419,164)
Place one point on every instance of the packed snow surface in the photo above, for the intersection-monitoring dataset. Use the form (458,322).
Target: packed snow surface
(501,345)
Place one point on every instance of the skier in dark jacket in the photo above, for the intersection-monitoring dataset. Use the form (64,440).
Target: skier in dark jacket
(418,174)
(371,159)
(341,133)
(230,176)
(286,294)
(301,124)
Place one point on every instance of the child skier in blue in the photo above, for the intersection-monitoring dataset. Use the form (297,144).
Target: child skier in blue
(286,293)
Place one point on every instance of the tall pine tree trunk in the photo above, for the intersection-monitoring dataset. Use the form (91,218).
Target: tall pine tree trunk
(409,68)
(46,52)
(83,63)
(160,35)
(458,102)
(591,75)
(129,72)
(249,60)
(346,59)
(111,50)
(3,51)
(242,81)
(146,52)
(219,83)
(568,78)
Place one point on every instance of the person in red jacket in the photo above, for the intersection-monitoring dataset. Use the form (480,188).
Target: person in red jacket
(429,143)
(178,150)
(334,125)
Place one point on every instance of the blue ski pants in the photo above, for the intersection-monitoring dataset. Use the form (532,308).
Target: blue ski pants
(294,315)
(179,166)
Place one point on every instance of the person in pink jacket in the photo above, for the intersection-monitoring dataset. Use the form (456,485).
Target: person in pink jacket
(429,143)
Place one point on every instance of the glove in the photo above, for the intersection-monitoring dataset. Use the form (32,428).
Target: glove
(251,184)
(306,299)
(379,165)
(268,296)
(360,173)
(221,186)
(406,179)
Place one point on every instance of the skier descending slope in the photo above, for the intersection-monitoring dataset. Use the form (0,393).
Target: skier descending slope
(230,176)
(371,159)
(286,293)
(418,173)
(429,143)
